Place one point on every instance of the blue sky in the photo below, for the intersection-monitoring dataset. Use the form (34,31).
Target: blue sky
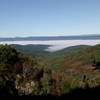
(49,17)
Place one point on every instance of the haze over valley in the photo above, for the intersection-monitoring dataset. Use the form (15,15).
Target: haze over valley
(55,43)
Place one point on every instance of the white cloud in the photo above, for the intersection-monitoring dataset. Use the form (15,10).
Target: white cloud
(56,44)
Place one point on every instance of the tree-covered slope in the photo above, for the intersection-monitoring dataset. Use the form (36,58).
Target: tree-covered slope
(23,75)
(89,55)
(85,62)
(32,50)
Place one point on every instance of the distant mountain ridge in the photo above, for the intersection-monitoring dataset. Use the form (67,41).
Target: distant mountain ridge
(46,38)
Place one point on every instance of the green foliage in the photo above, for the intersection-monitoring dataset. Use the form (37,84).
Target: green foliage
(45,74)
(8,54)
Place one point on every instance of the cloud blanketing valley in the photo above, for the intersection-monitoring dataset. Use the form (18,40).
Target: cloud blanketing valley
(55,44)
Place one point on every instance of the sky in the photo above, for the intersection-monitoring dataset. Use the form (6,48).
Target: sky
(21,18)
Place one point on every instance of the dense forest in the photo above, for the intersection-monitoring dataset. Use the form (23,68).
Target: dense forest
(35,72)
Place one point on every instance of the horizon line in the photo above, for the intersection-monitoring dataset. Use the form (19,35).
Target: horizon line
(51,36)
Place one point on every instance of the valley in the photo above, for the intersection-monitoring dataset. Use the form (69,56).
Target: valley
(52,73)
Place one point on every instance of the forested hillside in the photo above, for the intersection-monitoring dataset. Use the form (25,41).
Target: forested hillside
(56,74)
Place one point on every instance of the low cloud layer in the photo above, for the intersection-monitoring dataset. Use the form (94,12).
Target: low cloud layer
(55,45)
